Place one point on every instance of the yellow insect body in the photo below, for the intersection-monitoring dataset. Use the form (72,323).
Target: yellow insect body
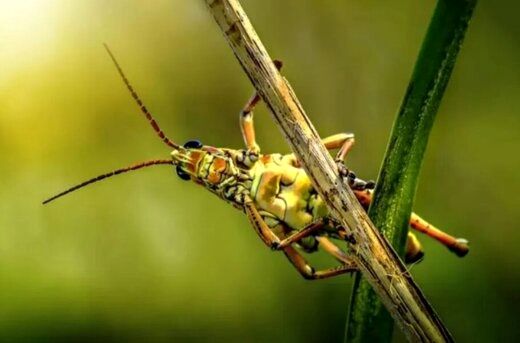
(285,197)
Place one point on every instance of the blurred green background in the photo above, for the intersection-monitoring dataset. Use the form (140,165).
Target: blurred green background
(147,257)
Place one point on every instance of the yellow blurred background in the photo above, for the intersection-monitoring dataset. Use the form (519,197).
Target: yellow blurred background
(147,257)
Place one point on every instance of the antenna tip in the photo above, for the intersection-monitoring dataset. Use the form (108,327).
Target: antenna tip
(46,201)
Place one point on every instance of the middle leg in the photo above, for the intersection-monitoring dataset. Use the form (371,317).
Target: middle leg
(344,142)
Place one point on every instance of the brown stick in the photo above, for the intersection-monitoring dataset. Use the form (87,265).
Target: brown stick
(374,256)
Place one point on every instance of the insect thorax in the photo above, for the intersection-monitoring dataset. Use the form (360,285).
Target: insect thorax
(283,192)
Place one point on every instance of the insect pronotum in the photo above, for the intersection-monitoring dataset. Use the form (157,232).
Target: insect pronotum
(274,192)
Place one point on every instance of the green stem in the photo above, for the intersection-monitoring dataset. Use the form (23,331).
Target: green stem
(368,321)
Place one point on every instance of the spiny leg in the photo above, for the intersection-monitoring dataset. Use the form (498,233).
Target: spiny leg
(246,119)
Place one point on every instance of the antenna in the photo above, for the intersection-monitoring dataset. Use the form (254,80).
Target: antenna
(143,108)
(104,176)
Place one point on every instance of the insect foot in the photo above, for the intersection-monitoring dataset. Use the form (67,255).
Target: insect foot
(460,248)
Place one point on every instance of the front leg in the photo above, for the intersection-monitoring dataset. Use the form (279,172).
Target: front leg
(247,125)
(246,119)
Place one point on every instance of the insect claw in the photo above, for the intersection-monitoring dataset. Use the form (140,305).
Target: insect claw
(275,246)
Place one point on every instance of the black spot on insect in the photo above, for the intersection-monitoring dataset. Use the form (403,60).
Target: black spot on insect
(182,174)
(193,144)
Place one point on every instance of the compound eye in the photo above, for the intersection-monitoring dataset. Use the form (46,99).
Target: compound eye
(182,174)
(193,144)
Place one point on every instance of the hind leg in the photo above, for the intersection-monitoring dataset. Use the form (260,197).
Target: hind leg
(457,245)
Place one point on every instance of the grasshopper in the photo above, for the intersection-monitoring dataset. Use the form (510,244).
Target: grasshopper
(275,193)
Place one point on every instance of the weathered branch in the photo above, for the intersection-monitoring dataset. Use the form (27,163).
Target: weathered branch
(376,259)
(390,210)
